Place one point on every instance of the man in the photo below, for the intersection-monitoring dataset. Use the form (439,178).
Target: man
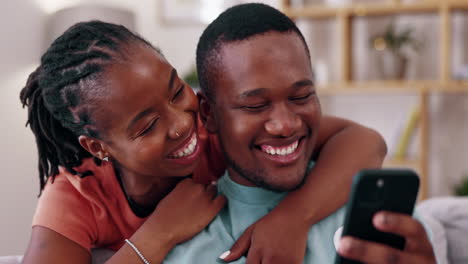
(259,97)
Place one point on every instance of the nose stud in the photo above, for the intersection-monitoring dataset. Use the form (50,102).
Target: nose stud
(177,134)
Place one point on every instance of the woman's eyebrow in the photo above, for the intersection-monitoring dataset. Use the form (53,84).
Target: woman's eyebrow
(172,79)
(138,117)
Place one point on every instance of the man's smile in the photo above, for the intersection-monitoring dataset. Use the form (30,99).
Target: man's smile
(282,153)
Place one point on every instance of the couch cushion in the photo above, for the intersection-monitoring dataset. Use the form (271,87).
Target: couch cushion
(452,213)
(10,260)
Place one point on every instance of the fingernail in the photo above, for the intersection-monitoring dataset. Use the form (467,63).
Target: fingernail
(381,219)
(387,219)
(345,245)
(224,255)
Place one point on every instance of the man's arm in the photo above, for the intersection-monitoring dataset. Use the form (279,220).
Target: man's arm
(343,148)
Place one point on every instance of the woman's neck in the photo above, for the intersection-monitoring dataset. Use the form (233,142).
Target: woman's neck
(145,191)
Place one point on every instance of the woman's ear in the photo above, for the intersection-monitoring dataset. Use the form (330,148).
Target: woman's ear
(207,114)
(93,146)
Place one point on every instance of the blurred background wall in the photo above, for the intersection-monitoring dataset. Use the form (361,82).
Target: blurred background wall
(26,31)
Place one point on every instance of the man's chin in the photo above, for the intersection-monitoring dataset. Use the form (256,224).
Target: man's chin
(283,186)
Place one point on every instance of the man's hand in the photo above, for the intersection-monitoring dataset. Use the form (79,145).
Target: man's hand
(418,248)
(274,239)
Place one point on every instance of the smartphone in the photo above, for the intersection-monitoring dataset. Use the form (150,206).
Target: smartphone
(373,191)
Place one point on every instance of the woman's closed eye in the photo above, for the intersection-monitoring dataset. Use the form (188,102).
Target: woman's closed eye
(148,128)
(179,93)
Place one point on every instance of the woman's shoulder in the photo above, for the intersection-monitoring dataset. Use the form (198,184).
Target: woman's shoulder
(64,208)
(89,178)
(89,210)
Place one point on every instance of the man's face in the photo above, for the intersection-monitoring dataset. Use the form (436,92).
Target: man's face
(266,112)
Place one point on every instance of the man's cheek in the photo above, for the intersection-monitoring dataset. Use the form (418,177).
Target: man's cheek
(240,128)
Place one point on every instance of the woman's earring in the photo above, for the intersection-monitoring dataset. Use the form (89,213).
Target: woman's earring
(106,158)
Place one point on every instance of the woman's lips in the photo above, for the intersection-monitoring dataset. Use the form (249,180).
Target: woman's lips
(188,153)
(187,149)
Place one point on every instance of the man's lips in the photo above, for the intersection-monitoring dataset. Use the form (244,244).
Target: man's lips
(283,154)
(280,150)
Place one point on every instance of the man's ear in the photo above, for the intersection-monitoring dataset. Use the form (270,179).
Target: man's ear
(94,146)
(207,113)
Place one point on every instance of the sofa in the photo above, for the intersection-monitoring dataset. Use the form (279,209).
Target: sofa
(446,217)
(99,256)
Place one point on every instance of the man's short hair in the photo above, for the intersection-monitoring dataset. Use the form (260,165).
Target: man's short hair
(237,23)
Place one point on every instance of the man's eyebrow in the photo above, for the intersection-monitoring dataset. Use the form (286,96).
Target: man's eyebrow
(171,79)
(138,117)
(259,91)
(251,93)
(302,83)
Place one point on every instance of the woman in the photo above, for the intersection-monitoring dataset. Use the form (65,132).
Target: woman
(117,130)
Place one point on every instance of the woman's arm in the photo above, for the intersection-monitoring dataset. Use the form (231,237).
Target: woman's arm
(47,246)
(171,223)
(343,148)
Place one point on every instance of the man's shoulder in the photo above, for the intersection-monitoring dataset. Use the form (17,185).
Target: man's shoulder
(205,247)
(336,218)
(321,246)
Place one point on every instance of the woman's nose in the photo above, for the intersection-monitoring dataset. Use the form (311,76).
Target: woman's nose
(181,125)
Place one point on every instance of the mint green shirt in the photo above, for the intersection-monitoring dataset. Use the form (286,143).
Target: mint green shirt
(245,206)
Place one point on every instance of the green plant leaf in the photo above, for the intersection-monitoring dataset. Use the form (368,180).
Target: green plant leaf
(461,189)
(395,41)
(192,78)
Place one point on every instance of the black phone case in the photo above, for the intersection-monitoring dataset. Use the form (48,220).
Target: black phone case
(397,192)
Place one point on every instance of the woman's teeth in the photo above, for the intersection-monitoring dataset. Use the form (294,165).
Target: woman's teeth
(188,148)
(285,150)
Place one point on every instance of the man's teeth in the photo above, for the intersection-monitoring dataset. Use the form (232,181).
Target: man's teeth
(188,150)
(286,150)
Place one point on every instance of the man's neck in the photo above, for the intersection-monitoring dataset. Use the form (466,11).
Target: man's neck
(239,179)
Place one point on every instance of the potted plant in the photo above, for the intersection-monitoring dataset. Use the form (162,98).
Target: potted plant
(391,46)
(461,189)
(191,78)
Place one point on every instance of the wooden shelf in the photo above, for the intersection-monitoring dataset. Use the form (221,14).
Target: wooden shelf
(402,163)
(392,87)
(345,85)
(462,5)
(323,11)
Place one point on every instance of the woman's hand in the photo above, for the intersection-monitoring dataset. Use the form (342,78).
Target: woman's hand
(272,240)
(182,214)
(185,211)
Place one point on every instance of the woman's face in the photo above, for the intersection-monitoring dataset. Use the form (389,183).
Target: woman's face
(148,117)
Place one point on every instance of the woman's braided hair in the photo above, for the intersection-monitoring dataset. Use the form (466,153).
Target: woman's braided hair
(59,94)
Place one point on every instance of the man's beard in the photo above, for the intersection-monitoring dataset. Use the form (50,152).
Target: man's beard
(258,176)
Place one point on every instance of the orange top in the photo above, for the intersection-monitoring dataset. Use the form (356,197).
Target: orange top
(94,212)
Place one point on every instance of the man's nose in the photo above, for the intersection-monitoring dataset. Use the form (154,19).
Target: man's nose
(283,122)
